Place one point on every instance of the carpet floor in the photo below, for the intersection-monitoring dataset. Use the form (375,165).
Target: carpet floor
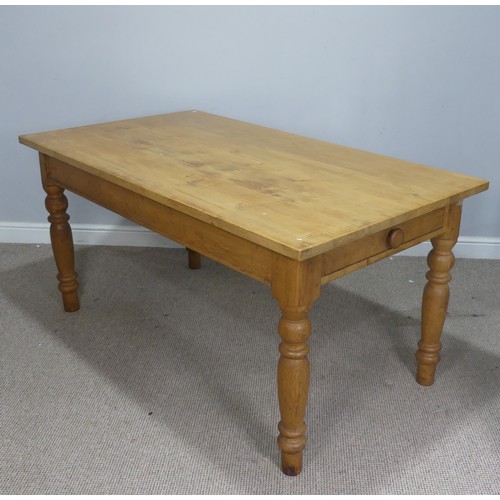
(164,381)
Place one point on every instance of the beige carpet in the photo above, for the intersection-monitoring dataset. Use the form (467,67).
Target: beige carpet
(164,382)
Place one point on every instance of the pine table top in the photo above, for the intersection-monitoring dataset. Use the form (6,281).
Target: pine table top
(291,194)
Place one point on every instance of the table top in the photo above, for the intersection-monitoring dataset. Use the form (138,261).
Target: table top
(294,195)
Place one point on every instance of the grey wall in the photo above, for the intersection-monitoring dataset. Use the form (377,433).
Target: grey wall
(418,83)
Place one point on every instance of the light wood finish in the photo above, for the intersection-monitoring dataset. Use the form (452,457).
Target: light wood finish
(435,298)
(194,259)
(62,240)
(296,285)
(295,196)
(358,254)
(291,212)
(226,248)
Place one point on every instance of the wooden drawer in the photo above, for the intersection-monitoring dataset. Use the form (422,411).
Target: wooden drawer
(365,251)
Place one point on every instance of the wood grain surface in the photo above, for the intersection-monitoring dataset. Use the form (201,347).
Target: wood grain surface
(293,195)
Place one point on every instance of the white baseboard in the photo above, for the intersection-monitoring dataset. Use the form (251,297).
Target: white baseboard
(467,247)
(472,247)
(85,234)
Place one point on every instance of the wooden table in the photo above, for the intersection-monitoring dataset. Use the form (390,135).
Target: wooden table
(289,211)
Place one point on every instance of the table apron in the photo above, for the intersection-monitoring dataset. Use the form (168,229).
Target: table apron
(237,253)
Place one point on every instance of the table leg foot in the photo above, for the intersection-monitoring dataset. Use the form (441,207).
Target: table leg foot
(435,300)
(428,357)
(62,246)
(291,463)
(194,259)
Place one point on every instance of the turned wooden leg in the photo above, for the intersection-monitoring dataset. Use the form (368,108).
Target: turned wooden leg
(295,286)
(435,299)
(62,245)
(293,385)
(194,259)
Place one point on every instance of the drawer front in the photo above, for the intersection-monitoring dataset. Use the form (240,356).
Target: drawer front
(360,253)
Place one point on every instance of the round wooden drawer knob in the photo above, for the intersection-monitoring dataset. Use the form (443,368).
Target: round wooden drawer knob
(395,237)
